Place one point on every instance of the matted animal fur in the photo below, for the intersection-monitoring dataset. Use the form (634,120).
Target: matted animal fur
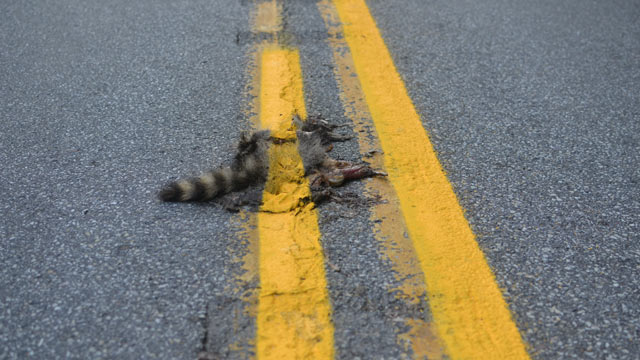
(251,164)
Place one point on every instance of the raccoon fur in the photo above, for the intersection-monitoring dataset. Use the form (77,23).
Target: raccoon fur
(251,164)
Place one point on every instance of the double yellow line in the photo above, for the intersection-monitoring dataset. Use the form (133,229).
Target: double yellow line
(471,319)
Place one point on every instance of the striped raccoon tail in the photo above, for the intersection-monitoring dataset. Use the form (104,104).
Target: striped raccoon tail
(251,165)
(204,187)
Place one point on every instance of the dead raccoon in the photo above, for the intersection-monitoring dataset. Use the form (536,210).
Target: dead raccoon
(251,164)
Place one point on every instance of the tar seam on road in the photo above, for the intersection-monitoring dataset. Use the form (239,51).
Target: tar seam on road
(417,333)
(470,314)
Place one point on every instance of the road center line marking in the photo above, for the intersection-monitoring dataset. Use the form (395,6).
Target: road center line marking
(417,332)
(294,312)
(471,316)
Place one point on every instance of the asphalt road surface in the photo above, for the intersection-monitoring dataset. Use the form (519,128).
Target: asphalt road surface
(533,108)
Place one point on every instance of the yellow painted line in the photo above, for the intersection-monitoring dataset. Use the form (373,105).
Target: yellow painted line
(294,312)
(291,305)
(417,334)
(471,316)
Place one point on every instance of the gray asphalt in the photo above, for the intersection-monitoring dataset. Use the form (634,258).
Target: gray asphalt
(533,107)
(534,110)
(101,104)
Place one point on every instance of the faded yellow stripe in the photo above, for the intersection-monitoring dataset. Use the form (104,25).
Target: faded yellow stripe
(471,316)
(294,313)
(417,333)
(267,18)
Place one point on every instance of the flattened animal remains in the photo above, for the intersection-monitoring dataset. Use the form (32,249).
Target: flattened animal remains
(250,166)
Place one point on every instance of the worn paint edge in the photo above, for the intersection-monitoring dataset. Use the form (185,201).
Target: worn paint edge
(294,312)
(417,333)
(471,316)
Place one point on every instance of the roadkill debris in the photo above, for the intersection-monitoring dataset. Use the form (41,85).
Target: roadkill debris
(314,139)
